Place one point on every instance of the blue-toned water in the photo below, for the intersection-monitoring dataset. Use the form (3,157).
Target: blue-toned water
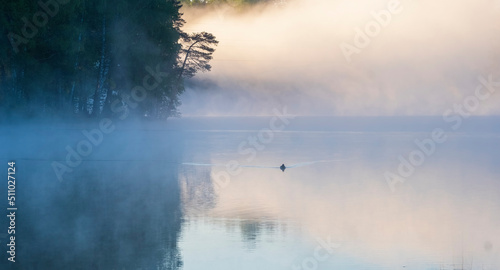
(207,193)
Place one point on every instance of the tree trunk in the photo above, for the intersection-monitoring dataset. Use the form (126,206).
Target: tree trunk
(96,107)
(73,100)
(185,60)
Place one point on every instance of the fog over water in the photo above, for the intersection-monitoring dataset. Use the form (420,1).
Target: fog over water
(391,154)
(443,215)
(135,203)
(427,58)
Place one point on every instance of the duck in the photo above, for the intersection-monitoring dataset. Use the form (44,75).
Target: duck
(283,167)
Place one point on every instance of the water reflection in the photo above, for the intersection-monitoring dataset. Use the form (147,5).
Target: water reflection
(119,209)
(134,205)
(107,216)
(445,214)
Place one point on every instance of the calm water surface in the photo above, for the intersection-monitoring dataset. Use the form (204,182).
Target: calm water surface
(133,204)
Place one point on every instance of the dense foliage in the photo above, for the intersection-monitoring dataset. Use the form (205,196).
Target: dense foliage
(91,58)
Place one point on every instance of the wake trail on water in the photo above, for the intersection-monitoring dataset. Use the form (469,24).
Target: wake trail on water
(268,167)
(317,161)
(242,166)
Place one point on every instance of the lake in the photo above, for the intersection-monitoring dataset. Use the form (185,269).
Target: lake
(207,193)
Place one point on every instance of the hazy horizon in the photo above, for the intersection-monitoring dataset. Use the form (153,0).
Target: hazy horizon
(427,58)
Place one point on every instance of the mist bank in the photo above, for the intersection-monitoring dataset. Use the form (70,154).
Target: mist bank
(403,57)
(472,124)
(118,208)
(386,124)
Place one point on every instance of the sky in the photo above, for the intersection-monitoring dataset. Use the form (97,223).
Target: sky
(417,58)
